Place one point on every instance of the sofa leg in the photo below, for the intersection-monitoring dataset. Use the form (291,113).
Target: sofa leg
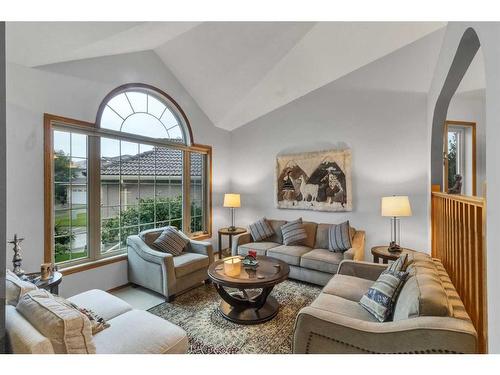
(208,281)
(170,299)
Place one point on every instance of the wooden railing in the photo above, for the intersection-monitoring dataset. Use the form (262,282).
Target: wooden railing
(458,240)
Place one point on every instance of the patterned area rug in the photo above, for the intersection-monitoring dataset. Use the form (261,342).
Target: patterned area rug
(209,333)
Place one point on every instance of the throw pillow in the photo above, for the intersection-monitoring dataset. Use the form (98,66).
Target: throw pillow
(294,233)
(170,241)
(339,237)
(68,330)
(398,264)
(15,288)
(380,298)
(97,322)
(261,229)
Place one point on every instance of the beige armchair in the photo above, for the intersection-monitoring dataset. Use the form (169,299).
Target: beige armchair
(162,272)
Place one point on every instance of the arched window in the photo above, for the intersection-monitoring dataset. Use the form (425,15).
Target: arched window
(145,111)
(136,168)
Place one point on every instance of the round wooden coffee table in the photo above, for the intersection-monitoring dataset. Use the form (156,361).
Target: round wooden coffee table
(247,305)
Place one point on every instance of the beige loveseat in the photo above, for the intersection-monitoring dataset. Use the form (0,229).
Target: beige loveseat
(429,316)
(313,262)
(130,331)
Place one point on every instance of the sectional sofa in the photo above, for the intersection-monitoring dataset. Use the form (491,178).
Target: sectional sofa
(429,316)
(311,262)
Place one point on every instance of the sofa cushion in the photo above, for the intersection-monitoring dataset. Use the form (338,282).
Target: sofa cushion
(16,288)
(342,306)
(170,241)
(151,335)
(68,330)
(310,229)
(187,263)
(348,287)
(322,260)
(261,229)
(339,237)
(294,233)
(288,254)
(277,236)
(259,247)
(379,300)
(104,304)
(423,294)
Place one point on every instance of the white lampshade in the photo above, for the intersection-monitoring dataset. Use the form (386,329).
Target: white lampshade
(396,206)
(232,200)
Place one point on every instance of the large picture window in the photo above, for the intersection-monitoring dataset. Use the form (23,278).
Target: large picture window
(136,168)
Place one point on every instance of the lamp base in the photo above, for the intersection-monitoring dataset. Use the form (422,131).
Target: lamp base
(394,247)
(232,228)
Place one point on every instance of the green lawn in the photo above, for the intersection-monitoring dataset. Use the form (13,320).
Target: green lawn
(65,257)
(63,219)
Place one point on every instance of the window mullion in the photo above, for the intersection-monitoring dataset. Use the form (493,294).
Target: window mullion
(186,196)
(94,197)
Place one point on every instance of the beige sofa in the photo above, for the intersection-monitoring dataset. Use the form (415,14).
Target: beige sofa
(162,272)
(429,316)
(313,262)
(130,331)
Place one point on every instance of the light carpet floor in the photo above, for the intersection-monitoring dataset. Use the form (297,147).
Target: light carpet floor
(209,333)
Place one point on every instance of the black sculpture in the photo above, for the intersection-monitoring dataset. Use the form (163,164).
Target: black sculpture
(457,186)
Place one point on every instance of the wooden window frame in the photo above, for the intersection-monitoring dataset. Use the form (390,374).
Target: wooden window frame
(464,124)
(94,132)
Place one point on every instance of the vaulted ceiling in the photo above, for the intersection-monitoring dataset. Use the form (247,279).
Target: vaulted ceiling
(236,71)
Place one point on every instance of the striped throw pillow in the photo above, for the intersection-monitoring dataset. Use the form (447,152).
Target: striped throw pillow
(261,229)
(380,298)
(339,237)
(398,264)
(171,241)
(294,233)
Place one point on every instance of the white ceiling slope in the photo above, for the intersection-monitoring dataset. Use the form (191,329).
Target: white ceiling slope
(41,43)
(236,71)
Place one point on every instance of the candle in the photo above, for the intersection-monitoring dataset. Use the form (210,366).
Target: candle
(232,266)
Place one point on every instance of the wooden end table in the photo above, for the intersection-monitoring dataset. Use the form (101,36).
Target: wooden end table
(230,233)
(382,252)
(52,284)
(249,306)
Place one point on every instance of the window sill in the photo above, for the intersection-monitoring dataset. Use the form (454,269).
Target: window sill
(201,237)
(93,264)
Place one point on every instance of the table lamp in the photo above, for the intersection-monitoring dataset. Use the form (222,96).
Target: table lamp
(395,207)
(232,201)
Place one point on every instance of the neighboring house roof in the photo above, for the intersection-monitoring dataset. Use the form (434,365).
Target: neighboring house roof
(168,163)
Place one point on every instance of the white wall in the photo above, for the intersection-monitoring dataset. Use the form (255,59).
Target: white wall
(75,90)
(471,107)
(386,131)
(489,34)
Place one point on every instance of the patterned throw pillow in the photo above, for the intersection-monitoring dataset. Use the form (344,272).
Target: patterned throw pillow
(339,237)
(380,298)
(261,229)
(170,241)
(15,288)
(294,233)
(96,321)
(398,264)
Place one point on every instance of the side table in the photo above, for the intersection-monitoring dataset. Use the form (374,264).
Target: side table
(382,252)
(52,284)
(230,233)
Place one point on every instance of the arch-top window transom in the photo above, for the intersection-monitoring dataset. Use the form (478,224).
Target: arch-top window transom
(144,113)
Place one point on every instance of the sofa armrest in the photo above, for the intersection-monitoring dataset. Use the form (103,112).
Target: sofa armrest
(322,331)
(202,247)
(357,250)
(363,270)
(238,240)
(136,244)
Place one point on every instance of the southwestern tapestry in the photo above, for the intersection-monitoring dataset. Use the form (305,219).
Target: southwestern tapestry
(319,181)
